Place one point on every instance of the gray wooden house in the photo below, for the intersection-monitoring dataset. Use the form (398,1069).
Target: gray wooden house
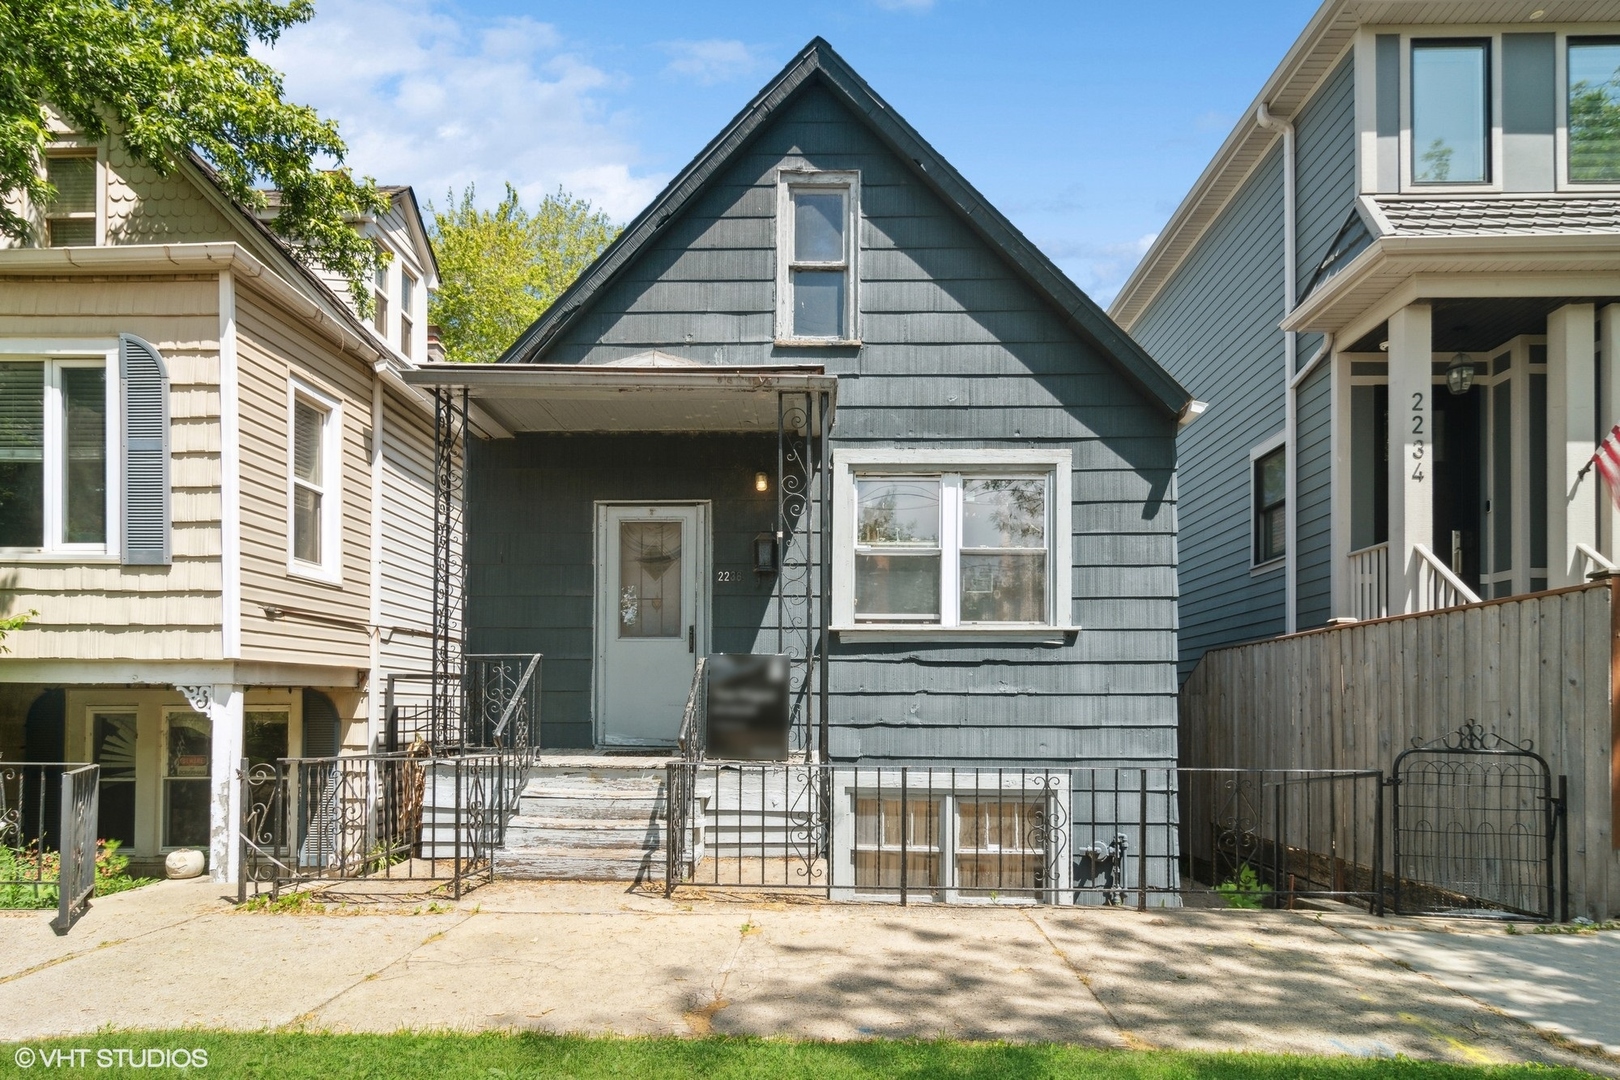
(822,402)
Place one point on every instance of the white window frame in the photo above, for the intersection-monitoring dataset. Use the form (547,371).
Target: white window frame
(1561,44)
(330,568)
(68,146)
(381,296)
(55,356)
(1262,449)
(1054,464)
(407,312)
(787,181)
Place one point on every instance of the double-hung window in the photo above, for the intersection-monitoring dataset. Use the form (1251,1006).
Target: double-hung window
(966,541)
(314,508)
(1451,111)
(1270,491)
(379,301)
(56,455)
(407,310)
(70,216)
(817,242)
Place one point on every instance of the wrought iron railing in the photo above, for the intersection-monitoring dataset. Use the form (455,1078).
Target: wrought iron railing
(1111,836)
(48,823)
(1438,586)
(1369,582)
(377,818)
(498,707)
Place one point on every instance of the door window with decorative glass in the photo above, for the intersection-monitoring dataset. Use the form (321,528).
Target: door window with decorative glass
(54,460)
(952,549)
(113,748)
(70,216)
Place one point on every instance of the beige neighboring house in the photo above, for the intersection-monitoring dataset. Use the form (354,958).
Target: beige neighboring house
(200,445)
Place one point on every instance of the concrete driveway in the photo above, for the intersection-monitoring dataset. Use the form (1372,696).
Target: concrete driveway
(595,958)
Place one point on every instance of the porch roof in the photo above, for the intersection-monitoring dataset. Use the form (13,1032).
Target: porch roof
(557,398)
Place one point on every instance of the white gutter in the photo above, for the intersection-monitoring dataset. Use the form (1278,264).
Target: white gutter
(1263,117)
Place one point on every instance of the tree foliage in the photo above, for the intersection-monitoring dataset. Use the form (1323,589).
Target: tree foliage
(168,76)
(500,269)
(1594,130)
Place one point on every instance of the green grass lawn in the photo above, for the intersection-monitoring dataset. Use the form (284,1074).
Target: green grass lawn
(294,1056)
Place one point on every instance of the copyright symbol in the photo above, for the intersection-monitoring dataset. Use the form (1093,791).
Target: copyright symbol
(24,1057)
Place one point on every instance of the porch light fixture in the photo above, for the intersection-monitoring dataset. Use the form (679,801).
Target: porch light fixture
(1460,374)
(762,482)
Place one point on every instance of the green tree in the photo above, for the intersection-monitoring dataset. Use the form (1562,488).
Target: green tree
(168,76)
(500,269)
(1594,130)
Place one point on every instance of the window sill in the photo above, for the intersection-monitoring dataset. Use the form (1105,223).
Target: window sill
(1269,566)
(318,574)
(1044,635)
(36,556)
(817,343)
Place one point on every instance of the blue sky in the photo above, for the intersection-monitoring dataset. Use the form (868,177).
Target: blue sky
(1084,122)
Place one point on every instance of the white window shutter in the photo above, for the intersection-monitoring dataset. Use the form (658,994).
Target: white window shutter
(144,381)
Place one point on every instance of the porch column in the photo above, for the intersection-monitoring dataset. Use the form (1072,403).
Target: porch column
(1609,379)
(1571,427)
(1411,451)
(224,808)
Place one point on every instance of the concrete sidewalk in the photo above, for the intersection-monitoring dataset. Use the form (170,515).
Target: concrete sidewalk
(595,958)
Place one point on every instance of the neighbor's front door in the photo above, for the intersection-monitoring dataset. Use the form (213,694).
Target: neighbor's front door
(651,622)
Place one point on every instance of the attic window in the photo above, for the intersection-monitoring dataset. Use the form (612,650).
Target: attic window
(817,224)
(70,218)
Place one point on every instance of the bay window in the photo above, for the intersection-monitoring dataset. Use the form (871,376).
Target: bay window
(55,455)
(959,540)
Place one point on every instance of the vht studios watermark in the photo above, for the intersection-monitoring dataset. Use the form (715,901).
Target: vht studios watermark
(124,1057)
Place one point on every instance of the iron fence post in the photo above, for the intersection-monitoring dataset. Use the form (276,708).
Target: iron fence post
(242,818)
(456,886)
(1378,846)
(1276,845)
(1141,843)
(905,833)
(1563,848)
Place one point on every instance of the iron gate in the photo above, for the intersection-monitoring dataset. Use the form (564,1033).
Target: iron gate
(1477,829)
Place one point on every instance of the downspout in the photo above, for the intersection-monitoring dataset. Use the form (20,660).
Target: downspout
(1263,117)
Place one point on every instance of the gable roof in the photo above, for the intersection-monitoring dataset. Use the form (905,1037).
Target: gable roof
(818,64)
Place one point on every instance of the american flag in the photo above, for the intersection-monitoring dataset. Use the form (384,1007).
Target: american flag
(1607,460)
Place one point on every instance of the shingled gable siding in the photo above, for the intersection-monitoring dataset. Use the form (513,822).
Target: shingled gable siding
(957,353)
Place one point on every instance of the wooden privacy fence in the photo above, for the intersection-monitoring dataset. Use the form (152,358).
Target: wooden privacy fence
(1533,669)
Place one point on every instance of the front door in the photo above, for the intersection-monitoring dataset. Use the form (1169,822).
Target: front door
(651,618)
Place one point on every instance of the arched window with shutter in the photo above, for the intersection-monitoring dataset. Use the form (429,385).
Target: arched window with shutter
(144,380)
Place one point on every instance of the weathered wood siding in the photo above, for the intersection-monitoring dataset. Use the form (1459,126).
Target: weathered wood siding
(1214,326)
(1534,669)
(957,352)
(271,350)
(531,577)
(98,609)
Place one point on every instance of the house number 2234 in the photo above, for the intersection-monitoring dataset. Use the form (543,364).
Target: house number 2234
(1417,435)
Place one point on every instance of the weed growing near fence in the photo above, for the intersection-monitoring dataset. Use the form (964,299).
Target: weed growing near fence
(28,876)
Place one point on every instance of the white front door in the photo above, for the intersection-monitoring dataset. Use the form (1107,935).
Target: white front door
(651,619)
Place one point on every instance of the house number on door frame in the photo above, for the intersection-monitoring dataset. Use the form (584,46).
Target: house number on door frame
(723,576)
(1417,435)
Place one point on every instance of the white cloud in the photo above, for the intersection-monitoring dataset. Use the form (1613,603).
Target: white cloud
(711,61)
(1099,269)
(423,97)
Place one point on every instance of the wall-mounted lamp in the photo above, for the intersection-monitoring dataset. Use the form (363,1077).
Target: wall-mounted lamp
(1460,374)
(765,552)
(762,482)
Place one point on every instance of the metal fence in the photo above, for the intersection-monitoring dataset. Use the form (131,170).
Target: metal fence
(48,841)
(386,820)
(498,707)
(1148,837)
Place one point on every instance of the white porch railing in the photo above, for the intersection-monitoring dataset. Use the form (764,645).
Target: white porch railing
(1438,587)
(1369,582)
(1595,563)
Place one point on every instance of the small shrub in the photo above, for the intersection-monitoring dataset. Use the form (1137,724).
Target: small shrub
(291,903)
(1246,891)
(33,875)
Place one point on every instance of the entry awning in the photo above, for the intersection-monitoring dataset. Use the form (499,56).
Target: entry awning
(654,396)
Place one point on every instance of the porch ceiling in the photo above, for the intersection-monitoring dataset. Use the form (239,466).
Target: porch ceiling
(557,398)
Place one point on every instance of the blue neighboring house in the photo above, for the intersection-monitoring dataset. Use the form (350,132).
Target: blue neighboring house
(1395,285)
